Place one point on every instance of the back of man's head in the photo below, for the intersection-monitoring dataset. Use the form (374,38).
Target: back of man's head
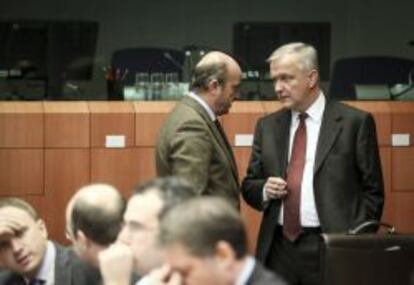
(171,190)
(201,223)
(97,211)
(214,65)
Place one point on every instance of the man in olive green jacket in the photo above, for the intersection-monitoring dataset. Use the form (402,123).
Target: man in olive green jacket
(192,143)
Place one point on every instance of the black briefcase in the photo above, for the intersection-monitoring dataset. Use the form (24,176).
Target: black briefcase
(364,259)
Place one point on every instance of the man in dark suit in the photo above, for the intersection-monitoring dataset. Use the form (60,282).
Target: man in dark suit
(205,243)
(27,257)
(191,143)
(315,167)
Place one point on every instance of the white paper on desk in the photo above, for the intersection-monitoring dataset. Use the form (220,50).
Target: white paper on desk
(243,140)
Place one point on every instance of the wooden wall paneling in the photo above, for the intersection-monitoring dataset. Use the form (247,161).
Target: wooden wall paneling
(403,156)
(112,118)
(146,163)
(385,153)
(66,170)
(241,119)
(67,124)
(382,115)
(251,217)
(402,169)
(271,106)
(21,172)
(403,118)
(402,205)
(149,118)
(21,125)
(118,167)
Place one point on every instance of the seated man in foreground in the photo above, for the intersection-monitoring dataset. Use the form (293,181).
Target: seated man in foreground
(26,254)
(206,243)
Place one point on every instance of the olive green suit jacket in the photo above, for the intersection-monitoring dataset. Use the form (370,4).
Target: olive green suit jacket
(190,145)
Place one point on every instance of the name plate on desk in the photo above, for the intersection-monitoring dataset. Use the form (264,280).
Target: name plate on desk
(243,140)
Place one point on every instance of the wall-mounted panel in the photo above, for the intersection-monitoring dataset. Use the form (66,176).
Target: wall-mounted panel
(112,119)
(149,118)
(67,125)
(21,125)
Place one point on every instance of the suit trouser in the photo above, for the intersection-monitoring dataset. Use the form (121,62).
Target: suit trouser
(299,262)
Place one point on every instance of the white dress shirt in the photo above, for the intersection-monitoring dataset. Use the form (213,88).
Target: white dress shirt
(308,214)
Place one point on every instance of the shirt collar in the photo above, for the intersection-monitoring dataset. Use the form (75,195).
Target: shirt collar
(203,104)
(315,111)
(246,272)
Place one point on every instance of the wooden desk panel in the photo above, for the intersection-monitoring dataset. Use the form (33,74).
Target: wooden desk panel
(402,211)
(403,118)
(21,125)
(271,106)
(251,217)
(402,169)
(385,153)
(149,118)
(21,172)
(241,119)
(67,125)
(382,115)
(118,167)
(112,118)
(66,170)
(146,163)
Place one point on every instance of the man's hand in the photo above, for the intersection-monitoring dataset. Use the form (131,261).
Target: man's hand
(275,188)
(116,264)
(9,226)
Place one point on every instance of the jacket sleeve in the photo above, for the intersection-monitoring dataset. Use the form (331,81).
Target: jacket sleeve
(369,164)
(253,183)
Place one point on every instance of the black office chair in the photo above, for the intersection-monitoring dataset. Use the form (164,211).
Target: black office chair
(147,59)
(370,70)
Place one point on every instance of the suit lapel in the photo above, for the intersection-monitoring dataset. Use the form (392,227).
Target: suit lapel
(281,138)
(219,135)
(330,129)
(63,272)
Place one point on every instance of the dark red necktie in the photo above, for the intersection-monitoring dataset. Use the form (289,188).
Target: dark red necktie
(291,215)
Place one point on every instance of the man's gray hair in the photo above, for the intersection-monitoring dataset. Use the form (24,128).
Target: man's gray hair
(306,52)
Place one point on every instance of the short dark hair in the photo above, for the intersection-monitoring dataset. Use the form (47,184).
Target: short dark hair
(100,224)
(199,224)
(204,73)
(19,204)
(172,191)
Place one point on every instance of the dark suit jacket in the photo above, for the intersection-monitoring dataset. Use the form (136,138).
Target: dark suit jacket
(69,270)
(262,276)
(190,145)
(348,181)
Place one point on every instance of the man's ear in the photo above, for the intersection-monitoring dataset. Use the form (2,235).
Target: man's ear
(313,78)
(82,239)
(213,85)
(224,254)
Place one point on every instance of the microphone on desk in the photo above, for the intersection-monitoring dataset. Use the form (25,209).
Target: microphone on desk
(186,68)
(400,89)
(171,59)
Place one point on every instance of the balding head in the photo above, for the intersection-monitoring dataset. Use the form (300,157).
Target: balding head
(214,65)
(96,210)
(216,79)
